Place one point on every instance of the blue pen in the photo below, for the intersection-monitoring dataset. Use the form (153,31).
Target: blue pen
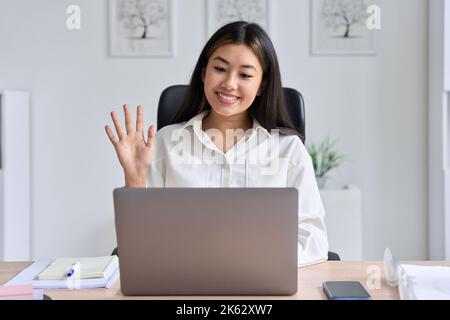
(73,269)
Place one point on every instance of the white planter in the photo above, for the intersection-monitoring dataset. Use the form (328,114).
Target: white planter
(321,181)
(343,219)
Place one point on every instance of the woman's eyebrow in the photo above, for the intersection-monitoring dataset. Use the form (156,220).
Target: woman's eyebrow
(242,66)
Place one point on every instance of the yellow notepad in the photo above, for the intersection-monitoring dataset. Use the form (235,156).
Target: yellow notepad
(92,267)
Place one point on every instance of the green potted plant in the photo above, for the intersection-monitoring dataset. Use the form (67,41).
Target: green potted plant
(324,158)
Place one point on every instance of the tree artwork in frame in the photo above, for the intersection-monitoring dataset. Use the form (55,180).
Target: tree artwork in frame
(221,12)
(341,27)
(141,28)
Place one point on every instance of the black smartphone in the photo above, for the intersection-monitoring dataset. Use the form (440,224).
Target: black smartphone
(345,290)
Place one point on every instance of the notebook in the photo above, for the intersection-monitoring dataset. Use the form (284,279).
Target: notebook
(90,268)
(21,292)
(30,275)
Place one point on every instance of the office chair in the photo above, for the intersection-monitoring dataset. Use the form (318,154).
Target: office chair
(172,98)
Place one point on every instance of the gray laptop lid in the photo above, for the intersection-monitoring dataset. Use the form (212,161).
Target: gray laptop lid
(207,241)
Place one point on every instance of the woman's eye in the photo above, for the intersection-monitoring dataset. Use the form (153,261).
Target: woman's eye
(243,75)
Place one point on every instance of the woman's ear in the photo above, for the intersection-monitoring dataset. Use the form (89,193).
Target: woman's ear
(203,74)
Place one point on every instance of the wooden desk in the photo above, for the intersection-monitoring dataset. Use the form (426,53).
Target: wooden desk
(310,281)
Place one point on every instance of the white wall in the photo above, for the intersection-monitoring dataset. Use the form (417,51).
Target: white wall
(375,106)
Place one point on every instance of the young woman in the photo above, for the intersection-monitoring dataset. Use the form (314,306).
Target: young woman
(232,130)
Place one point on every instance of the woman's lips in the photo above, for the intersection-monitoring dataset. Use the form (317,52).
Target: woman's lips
(226,99)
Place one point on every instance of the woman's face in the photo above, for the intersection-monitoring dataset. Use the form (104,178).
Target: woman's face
(232,79)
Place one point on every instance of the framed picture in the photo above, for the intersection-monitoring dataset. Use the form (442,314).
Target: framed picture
(221,12)
(339,27)
(141,28)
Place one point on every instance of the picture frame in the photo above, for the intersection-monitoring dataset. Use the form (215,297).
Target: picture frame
(141,28)
(221,12)
(330,35)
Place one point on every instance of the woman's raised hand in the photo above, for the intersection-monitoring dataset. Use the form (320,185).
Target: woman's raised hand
(134,153)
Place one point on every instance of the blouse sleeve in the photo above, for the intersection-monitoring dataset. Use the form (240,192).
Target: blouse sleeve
(157,170)
(312,234)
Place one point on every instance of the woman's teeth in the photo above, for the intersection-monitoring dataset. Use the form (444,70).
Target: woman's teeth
(227,98)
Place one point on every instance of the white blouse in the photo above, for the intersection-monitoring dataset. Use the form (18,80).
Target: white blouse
(185,156)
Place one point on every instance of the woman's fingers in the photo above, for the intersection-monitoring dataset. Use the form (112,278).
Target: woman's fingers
(151,135)
(116,122)
(128,123)
(110,135)
(128,119)
(139,119)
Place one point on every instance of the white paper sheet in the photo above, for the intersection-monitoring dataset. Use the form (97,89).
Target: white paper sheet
(424,282)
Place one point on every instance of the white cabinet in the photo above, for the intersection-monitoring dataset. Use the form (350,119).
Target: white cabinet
(344,221)
(14,176)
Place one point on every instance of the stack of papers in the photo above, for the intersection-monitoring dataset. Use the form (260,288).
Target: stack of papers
(21,292)
(423,282)
(98,272)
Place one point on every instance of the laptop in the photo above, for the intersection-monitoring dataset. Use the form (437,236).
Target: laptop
(207,241)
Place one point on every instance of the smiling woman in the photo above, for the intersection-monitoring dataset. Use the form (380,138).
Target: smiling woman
(234,112)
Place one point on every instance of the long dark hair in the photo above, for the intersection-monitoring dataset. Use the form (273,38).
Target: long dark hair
(269,108)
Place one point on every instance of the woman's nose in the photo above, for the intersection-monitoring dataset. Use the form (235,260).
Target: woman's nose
(230,83)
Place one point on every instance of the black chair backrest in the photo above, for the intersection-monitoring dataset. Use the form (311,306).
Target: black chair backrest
(172,98)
